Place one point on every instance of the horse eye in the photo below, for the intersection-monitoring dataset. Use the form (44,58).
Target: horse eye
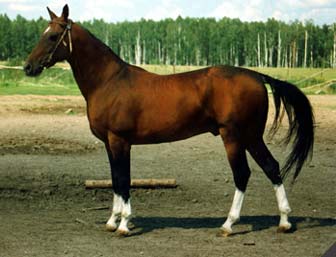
(53,37)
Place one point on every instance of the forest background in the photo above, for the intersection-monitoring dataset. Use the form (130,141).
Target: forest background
(193,41)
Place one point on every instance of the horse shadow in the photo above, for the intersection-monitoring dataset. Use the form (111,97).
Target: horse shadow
(145,225)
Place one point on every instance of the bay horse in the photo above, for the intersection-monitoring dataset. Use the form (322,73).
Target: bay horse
(127,105)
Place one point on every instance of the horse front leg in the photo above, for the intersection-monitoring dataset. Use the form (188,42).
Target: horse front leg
(118,151)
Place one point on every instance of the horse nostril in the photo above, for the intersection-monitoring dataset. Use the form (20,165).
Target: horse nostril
(27,68)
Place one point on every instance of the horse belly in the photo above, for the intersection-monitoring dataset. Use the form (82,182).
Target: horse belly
(172,128)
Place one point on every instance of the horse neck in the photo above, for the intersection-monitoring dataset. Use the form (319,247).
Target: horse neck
(91,61)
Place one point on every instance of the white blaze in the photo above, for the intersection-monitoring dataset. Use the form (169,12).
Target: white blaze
(47,29)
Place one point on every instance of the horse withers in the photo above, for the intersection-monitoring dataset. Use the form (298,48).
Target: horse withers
(127,105)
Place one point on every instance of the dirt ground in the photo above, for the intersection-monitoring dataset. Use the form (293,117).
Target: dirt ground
(47,152)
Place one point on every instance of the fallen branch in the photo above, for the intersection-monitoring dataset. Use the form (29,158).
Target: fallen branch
(95,208)
(135,183)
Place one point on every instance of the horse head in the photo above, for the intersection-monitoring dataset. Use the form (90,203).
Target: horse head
(55,44)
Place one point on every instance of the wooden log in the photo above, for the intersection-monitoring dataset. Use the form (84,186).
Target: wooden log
(135,183)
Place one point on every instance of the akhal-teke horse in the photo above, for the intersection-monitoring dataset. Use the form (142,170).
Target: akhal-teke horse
(127,105)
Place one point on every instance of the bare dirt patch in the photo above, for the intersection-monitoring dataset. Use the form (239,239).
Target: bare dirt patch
(46,153)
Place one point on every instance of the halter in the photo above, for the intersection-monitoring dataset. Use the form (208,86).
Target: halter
(68,27)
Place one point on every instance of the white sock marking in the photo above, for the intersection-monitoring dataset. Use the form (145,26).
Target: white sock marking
(283,205)
(123,209)
(125,216)
(116,210)
(280,194)
(234,213)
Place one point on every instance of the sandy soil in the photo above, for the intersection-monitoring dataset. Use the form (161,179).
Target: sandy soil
(47,152)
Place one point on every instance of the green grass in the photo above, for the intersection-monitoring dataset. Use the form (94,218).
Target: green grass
(311,81)
(55,81)
(59,80)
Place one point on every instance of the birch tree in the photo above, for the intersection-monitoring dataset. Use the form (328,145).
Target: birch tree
(258,50)
(305,50)
(138,50)
(266,50)
(279,49)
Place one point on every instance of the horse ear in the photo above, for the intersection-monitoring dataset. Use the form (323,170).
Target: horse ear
(51,14)
(65,12)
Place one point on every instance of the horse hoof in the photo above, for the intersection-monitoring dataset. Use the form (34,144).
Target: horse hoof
(224,232)
(111,228)
(123,233)
(284,228)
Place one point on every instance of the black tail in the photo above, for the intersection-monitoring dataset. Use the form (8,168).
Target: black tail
(301,122)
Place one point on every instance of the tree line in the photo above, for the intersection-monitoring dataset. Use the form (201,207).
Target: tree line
(193,41)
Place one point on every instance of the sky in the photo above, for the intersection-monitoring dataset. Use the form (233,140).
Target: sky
(320,11)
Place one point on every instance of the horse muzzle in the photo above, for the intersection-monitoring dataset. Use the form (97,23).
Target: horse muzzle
(32,69)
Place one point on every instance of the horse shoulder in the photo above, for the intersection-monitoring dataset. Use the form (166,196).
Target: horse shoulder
(111,110)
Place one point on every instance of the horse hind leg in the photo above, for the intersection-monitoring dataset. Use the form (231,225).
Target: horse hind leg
(270,166)
(236,154)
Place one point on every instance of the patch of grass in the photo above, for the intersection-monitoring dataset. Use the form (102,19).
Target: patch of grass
(38,90)
(302,77)
(59,79)
(169,69)
(55,81)
(333,88)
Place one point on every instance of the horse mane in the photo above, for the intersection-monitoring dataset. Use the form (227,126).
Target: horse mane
(102,46)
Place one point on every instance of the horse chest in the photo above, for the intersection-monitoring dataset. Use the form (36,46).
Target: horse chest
(107,120)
